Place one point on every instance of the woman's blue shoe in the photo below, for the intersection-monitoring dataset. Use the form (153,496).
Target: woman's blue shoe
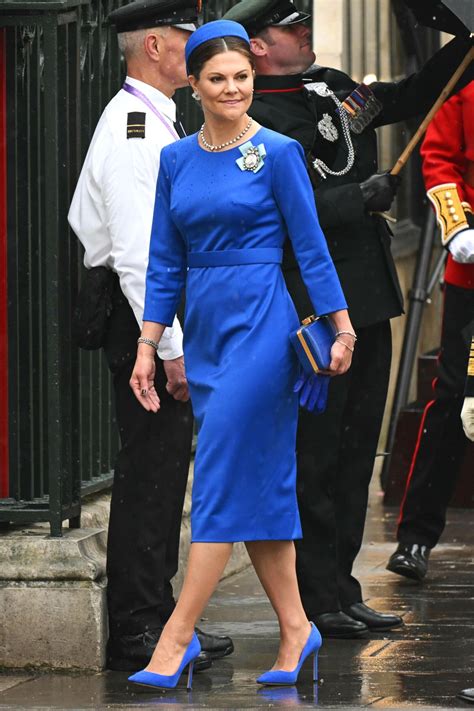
(161,681)
(284,678)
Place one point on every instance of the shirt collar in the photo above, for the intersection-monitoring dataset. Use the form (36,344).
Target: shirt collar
(162,102)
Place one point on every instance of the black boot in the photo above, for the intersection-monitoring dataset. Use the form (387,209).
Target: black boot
(132,652)
(410,560)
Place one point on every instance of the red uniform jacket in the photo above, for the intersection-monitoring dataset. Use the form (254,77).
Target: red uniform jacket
(448,157)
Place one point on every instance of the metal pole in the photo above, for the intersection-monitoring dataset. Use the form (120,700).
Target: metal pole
(418,296)
(52,272)
(436,276)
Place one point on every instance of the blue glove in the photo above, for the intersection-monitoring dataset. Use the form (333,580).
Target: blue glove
(313,391)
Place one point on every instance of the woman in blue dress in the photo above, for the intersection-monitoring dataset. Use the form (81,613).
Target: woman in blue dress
(227,199)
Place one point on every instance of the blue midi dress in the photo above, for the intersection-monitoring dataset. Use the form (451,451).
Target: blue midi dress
(218,230)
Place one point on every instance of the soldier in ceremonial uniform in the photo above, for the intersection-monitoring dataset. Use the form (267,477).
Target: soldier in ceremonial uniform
(334,118)
(448,168)
(111,213)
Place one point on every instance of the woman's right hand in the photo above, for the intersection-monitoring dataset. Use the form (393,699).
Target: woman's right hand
(341,356)
(142,381)
(343,347)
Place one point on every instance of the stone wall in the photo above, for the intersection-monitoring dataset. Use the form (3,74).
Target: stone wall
(52,599)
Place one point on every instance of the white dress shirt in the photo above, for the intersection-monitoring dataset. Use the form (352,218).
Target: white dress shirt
(112,208)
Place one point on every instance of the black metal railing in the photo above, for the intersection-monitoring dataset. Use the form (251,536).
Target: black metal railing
(62,66)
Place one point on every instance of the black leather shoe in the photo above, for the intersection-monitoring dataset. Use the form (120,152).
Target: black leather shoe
(467,695)
(338,625)
(215,645)
(375,621)
(410,560)
(133,652)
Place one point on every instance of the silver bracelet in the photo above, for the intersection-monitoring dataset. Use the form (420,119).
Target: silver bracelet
(347,333)
(346,345)
(148,342)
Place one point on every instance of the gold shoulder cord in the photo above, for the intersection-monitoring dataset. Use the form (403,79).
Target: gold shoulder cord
(450,211)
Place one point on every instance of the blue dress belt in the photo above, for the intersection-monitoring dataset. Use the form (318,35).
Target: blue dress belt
(234,257)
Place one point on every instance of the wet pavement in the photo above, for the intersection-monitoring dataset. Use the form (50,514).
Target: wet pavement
(422,665)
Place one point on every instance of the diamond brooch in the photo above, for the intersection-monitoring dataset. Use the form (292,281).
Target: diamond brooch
(252,157)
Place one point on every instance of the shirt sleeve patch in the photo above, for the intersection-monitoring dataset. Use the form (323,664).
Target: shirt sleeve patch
(136,124)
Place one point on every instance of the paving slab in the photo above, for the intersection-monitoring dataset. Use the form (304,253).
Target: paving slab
(419,666)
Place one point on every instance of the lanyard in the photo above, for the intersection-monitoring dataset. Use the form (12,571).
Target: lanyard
(140,95)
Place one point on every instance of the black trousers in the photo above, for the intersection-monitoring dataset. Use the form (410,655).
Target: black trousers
(148,491)
(441,442)
(336,453)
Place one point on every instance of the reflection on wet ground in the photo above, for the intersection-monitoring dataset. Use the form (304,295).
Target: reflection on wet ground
(422,665)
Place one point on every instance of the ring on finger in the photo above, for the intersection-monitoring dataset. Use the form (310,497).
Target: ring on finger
(144,392)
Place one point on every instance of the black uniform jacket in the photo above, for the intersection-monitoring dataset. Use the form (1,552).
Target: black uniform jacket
(359,243)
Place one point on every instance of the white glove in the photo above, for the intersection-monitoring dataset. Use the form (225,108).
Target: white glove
(462,247)
(467,417)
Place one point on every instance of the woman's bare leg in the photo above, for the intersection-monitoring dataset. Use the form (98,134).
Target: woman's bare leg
(275,565)
(206,564)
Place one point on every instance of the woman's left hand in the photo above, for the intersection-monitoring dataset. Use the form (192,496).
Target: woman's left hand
(341,356)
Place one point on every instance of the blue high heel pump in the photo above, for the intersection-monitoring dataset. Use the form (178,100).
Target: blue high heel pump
(284,678)
(162,681)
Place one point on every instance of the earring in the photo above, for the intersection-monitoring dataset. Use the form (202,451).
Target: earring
(196,96)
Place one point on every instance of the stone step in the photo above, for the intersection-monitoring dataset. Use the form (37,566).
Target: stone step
(52,599)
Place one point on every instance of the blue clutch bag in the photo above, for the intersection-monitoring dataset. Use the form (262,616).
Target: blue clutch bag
(313,342)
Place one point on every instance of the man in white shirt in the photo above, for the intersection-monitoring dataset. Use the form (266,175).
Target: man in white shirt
(111,213)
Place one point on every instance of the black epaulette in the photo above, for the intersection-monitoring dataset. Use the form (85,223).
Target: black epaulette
(136,124)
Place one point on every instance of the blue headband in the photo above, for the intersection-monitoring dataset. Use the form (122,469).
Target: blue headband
(213,30)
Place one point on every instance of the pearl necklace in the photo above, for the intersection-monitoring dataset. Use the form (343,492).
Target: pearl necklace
(211,147)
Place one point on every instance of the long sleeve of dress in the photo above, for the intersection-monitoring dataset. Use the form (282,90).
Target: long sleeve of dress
(294,195)
(166,273)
